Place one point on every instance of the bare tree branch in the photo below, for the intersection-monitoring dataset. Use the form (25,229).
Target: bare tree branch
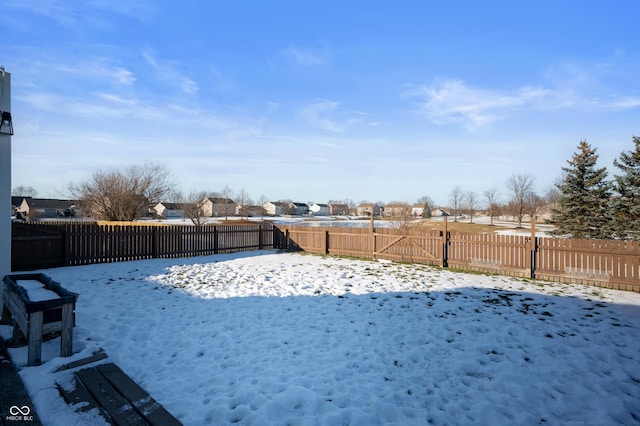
(123,195)
(520,186)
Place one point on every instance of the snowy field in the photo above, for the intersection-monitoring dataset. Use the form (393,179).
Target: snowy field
(280,338)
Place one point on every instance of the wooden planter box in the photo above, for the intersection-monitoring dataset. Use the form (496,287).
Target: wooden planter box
(51,312)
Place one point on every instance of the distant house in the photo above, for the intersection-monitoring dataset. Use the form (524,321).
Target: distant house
(396,209)
(337,209)
(417,210)
(250,211)
(33,208)
(169,210)
(368,209)
(439,213)
(15,203)
(275,208)
(217,207)
(320,209)
(300,209)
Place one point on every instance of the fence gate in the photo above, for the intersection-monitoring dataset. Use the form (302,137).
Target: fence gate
(425,247)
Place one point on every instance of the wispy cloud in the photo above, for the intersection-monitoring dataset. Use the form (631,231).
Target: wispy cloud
(97,69)
(330,116)
(46,73)
(103,105)
(59,11)
(220,81)
(138,9)
(169,71)
(80,15)
(272,106)
(307,56)
(453,101)
(316,114)
(595,86)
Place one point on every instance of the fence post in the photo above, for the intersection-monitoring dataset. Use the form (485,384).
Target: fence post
(67,244)
(373,244)
(154,242)
(445,243)
(326,241)
(533,248)
(276,237)
(215,239)
(260,237)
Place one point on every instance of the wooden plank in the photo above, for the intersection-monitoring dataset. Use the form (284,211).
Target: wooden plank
(6,315)
(424,251)
(34,337)
(98,355)
(397,240)
(80,395)
(66,332)
(117,407)
(16,308)
(51,327)
(149,408)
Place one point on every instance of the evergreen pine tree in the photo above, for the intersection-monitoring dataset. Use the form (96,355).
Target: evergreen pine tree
(626,203)
(582,208)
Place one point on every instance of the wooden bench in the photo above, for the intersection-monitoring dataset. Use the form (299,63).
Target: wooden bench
(120,400)
(40,317)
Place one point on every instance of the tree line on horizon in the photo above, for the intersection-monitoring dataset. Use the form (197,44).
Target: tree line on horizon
(583,203)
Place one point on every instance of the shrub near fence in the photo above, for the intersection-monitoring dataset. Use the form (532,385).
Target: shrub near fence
(42,245)
(610,264)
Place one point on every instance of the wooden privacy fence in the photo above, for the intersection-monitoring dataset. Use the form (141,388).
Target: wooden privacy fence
(36,245)
(610,264)
(604,263)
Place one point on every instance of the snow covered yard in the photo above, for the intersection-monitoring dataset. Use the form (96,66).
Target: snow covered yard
(284,338)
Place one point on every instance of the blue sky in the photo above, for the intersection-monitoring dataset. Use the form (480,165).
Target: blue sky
(311,101)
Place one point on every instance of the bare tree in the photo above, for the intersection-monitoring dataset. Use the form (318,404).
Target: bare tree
(262,201)
(533,202)
(227,193)
(24,191)
(287,207)
(455,200)
(242,199)
(471,203)
(123,195)
(519,187)
(552,197)
(400,214)
(193,206)
(491,196)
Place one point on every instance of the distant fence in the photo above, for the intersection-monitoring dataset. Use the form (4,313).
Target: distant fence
(610,264)
(603,263)
(45,245)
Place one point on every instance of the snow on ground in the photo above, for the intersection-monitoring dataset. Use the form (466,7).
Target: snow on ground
(282,338)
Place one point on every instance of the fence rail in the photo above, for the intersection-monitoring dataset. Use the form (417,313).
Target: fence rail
(36,246)
(609,263)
